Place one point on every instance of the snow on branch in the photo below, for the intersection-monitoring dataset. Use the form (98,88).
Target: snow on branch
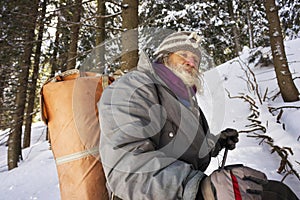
(118,4)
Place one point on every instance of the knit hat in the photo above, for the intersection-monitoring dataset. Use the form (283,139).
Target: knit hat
(180,41)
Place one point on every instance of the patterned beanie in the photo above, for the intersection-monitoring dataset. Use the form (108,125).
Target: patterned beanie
(180,41)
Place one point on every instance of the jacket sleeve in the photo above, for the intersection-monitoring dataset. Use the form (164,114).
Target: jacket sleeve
(130,115)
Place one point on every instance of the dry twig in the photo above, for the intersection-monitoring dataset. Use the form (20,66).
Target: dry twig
(263,137)
(283,153)
(272,109)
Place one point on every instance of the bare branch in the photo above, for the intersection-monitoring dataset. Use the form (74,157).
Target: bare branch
(279,116)
(283,153)
(245,97)
(254,84)
(295,78)
(253,130)
(288,173)
(101,16)
(265,95)
(272,109)
(263,137)
(255,121)
(275,96)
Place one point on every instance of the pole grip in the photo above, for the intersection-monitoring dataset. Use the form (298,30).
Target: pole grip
(224,158)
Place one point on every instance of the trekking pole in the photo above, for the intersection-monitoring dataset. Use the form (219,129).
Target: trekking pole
(224,158)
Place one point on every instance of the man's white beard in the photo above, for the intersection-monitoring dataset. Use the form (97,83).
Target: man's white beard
(189,79)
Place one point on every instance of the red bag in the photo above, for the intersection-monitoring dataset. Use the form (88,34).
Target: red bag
(68,104)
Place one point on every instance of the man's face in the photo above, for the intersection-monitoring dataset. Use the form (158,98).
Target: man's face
(186,59)
(185,65)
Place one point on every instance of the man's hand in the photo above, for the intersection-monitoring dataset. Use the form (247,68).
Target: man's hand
(227,139)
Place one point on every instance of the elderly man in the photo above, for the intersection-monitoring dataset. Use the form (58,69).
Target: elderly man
(155,140)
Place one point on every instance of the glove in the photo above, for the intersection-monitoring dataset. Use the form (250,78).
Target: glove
(234,182)
(227,138)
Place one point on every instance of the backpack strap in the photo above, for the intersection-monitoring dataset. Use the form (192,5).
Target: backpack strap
(78,155)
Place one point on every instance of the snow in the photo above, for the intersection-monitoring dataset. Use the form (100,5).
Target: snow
(36,176)
(249,151)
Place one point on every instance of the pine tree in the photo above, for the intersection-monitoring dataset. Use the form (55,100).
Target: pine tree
(129,57)
(290,18)
(28,9)
(287,87)
(11,33)
(100,33)
(76,11)
(34,77)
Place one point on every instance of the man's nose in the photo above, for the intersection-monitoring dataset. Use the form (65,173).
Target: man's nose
(190,62)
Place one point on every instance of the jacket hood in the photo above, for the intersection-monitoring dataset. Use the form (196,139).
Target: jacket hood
(144,64)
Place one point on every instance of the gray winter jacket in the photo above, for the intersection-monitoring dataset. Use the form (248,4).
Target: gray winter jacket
(152,146)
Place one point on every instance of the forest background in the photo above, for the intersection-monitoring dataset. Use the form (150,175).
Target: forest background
(41,38)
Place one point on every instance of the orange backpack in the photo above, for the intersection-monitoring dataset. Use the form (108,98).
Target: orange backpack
(68,104)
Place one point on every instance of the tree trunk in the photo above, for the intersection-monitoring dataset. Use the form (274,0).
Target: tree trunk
(129,57)
(287,87)
(100,36)
(2,85)
(53,59)
(75,27)
(14,140)
(237,45)
(35,75)
(250,27)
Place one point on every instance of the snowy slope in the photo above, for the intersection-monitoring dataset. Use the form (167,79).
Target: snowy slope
(234,112)
(36,177)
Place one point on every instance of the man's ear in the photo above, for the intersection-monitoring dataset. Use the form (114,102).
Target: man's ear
(165,59)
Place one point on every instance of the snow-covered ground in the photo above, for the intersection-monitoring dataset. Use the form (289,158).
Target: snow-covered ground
(36,176)
(233,112)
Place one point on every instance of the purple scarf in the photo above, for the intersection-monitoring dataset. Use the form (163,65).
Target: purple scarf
(173,82)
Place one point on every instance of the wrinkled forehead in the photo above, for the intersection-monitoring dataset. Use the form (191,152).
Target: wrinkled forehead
(188,54)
